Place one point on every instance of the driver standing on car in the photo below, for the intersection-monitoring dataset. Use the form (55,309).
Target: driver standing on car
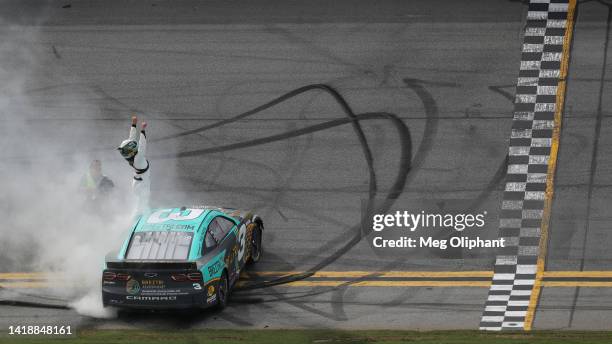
(134,151)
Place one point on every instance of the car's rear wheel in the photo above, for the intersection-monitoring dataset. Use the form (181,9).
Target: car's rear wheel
(256,245)
(222,291)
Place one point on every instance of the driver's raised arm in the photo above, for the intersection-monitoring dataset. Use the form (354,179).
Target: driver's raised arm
(134,151)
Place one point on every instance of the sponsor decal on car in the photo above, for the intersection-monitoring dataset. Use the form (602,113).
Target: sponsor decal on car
(211,290)
(211,299)
(132,287)
(153,284)
(150,298)
(214,269)
(231,257)
(169,227)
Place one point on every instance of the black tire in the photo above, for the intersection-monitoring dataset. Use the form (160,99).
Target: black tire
(222,291)
(256,245)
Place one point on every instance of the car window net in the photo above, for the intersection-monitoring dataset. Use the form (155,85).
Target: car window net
(210,241)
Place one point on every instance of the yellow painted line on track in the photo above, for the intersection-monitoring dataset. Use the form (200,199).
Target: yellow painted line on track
(484,284)
(22,275)
(385,283)
(573,284)
(579,274)
(26,285)
(552,165)
(388,284)
(355,274)
(374,274)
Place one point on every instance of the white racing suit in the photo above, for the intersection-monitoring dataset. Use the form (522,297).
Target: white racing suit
(134,150)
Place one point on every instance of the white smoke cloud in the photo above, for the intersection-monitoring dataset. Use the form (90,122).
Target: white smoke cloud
(44,225)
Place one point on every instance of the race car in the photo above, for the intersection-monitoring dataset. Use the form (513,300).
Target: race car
(182,258)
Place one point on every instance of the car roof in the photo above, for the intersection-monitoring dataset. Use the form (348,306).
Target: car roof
(183,218)
(173,219)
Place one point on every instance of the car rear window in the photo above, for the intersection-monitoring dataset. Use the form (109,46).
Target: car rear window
(159,245)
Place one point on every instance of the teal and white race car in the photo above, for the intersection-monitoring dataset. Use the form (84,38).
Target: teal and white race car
(182,258)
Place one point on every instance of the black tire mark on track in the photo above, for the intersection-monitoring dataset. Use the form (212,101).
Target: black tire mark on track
(303,306)
(234,320)
(222,160)
(425,146)
(431,107)
(431,126)
(310,47)
(305,211)
(15,303)
(391,197)
(274,205)
(395,191)
(499,175)
(352,118)
(499,89)
(294,301)
(328,89)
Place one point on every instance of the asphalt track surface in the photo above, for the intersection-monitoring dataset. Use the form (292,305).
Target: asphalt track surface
(446,69)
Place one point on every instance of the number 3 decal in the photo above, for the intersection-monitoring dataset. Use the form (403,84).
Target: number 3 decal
(242,240)
(164,215)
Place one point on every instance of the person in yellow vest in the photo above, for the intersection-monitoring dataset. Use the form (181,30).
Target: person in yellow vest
(95,184)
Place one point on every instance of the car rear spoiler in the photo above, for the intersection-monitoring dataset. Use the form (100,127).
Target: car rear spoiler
(151,264)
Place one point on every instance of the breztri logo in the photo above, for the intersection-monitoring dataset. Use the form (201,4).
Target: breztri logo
(151,298)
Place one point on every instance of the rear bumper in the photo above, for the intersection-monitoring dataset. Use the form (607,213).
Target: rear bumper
(199,300)
(155,289)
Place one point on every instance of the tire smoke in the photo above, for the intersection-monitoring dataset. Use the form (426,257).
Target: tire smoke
(45,223)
